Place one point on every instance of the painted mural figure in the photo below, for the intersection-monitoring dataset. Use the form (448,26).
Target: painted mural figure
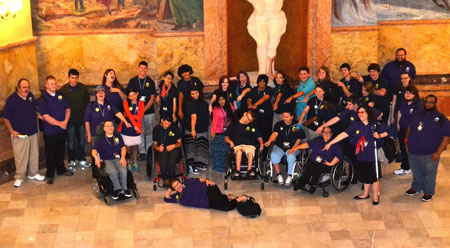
(186,12)
(355,12)
(266,25)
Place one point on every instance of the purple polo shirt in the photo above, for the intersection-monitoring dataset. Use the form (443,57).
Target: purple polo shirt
(392,71)
(427,140)
(194,194)
(316,145)
(97,114)
(113,98)
(55,106)
(106,147)
(357,130)
(21,113)
(408,111)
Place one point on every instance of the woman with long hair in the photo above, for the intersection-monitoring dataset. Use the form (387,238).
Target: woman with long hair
(114,92)
(281,93)
(168,96)
(222,118)
(224,90)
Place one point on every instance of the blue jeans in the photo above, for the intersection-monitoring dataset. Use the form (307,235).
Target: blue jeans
(76,142)
(148,122)
(424,173)
(278,153)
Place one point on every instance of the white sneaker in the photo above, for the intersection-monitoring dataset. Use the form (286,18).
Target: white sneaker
(85,164)
(37,177)
(17,183)
(280,179)
(402,172)
(288,181)
(72,163)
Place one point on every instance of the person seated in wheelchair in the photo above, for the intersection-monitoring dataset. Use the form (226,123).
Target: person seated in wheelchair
(242,136)
(111,150)
(167,146)
(286,136)
(320,161)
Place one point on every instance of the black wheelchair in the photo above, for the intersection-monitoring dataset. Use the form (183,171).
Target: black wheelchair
(180,168)
(103,187)
(231,168)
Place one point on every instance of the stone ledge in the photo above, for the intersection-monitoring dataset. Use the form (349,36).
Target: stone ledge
(23,42)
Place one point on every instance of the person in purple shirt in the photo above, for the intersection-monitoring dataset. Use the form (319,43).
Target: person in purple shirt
(201,193)
(392,70)
(111,150)
(320,160)
(113,90)
(366,131)
(427,137)
(54,108)
(410,106)
(19,116)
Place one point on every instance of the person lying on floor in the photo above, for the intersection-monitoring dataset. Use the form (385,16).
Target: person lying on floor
(201,193)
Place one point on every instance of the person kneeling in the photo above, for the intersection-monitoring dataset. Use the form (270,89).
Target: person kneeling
(320,161)
(167,147)
(112,151)
(242,137)
(201,193)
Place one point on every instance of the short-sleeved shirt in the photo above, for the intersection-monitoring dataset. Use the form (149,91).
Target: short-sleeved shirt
(194,194)
(21,113)
(306,87)
(166,107)
(408,111)
(113,98)
(242,104)
(286,91)
(368,99)
(315,105)
(326,115)
(168,136)
(78,98)
(185,87)
(230,95)
(393,70)
(256,94)
(146,89)
(200,108)
(348,117)
(108,147)
(242,134)
(426,132)
(287,134)
(135,109)
(332,91)
(381,102)
(352,85)
(357,130)
(318,155)
(56,107)
(97,114)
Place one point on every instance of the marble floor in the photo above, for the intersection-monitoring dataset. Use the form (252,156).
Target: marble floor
(66,214)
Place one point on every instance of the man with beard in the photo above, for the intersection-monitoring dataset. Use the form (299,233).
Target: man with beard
(392,70)
(427,137)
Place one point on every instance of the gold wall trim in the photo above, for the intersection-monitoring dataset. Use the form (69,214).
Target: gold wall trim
(23,42)
(414,22)
(119,31)
(354,28)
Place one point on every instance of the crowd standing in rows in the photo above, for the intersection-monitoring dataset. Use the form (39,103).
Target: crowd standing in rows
(347,117)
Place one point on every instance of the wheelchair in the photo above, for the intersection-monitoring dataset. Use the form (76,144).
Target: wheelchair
(180,169)
(231,168)
(103,187)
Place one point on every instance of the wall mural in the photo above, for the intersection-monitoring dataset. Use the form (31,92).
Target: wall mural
(158,15)
(368,12)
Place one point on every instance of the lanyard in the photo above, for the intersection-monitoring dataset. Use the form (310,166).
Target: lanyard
(163,136)
(102,111)
(317,107)
(135,108)
(287,131)
(141,86)
(113,145)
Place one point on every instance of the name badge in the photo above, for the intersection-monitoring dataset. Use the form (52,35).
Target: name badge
(142,98)
(165,108)
(224,129)
(116,155)
(420,127)
(316,123)
(316,107)
(319,159)
(344,102)
(261,111)
(286,145)
(366,144)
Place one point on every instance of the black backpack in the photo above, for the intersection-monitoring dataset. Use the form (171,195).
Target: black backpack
(250,208)
(389,148)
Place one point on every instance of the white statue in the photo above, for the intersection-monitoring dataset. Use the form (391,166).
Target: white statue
(266,25)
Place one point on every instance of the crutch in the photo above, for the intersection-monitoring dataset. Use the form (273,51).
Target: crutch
(376,161)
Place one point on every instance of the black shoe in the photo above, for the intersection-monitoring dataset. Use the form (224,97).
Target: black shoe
(127,193)
(312,190)
(67,173)
(49,180)
(142,157)
(297,186)
(359,198)
(115,194)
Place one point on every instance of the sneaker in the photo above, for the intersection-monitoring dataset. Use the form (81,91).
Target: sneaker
(127,193)
(85,164)
(17,183)
(135,167)
(49,180)
(411,192)
(402,172)
(252,173)
(288,181)
(193,170)
(72,163)
(426,197)
(202,167)
(280,179)
(115,194)
(37,177)
(142,157)
(67,174)
(237,174)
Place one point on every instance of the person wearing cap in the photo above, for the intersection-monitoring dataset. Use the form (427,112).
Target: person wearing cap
(147,92)
(55,110)
(184,86)
(167,146)
(99,111)
(78,97)
(427,137)
(19,116)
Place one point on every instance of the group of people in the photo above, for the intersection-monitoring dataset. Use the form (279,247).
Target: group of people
(349,117)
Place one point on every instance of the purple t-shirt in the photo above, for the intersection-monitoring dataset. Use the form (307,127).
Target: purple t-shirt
(21,113)
(108,147)
(194,194)
(97,114)
(113,98)
(319,156)
(426,132)
(357,130)
(56,107)
(408,111)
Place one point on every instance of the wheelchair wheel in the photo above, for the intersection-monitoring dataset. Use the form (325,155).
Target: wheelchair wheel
(299,167)
(107,200)
(96,188)
(136,193)
(342,174)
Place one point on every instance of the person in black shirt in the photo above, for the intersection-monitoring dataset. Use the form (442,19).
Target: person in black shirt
(259,100)
(242,137)
(349,86)
(167,98)
(167,146)
(196,131)
(225,91)
(286,136)
(242,89)
(146,88)
(184,85)
(281,93)
(368,97)
(381,90)
(311,112)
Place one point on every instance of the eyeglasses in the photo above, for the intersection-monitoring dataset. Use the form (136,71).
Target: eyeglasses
(248,118)
(361,112)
